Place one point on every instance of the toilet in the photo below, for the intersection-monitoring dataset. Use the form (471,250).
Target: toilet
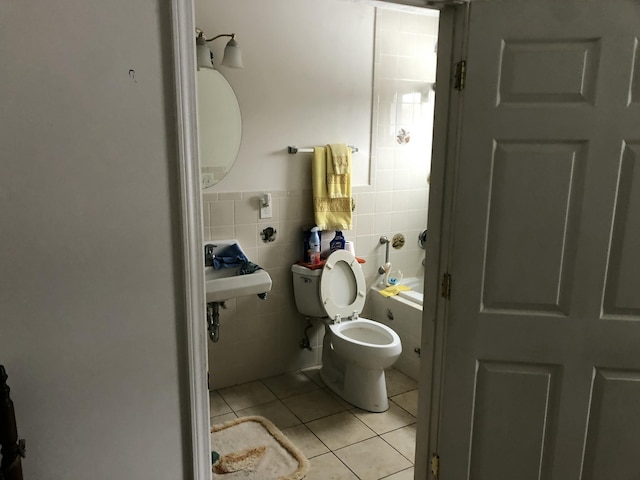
(355,350)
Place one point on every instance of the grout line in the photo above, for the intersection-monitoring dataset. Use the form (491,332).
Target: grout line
(391,474)
(350,410)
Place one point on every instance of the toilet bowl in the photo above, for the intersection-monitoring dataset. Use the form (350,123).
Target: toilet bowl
(355,350)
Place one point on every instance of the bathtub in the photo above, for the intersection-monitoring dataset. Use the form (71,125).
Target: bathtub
(403,313)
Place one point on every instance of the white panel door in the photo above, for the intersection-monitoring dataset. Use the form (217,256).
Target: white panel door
(542,345)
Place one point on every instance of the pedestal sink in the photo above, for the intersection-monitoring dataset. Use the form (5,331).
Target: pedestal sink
(225,283)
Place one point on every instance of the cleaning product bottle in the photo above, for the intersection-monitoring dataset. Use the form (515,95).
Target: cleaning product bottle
(314,246)
(338,242)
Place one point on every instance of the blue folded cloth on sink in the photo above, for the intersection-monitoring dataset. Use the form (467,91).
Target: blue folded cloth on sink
(230,257)
(249,267)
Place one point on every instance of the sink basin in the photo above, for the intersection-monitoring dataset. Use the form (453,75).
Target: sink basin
(225,283)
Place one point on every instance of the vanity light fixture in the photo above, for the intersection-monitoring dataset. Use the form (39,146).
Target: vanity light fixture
(232,56)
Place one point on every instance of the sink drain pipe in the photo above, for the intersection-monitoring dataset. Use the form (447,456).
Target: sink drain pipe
(213,320)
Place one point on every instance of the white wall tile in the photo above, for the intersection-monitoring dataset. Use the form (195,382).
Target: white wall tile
(221,213)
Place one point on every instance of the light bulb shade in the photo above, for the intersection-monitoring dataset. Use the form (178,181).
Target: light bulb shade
(232,55)
(203,56)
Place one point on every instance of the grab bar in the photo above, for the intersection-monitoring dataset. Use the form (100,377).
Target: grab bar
(384,240)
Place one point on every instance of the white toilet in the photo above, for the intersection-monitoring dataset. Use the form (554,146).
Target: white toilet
(355,350)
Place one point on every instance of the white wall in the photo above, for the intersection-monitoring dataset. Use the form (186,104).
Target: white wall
(307,80)
(89,329)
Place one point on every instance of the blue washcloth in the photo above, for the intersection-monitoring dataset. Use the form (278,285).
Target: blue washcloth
(230,257)
(248,267)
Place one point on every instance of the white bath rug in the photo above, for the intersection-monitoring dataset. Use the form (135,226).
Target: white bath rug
(253,448)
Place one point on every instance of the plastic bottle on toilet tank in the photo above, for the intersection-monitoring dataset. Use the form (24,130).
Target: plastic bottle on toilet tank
(314,246)
(338,242)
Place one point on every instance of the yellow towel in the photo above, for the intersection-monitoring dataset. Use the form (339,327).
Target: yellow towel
(338,170)
(340,158)
(393,290)
(331,192)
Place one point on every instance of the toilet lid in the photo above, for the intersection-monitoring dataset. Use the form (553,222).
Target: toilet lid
(342,285)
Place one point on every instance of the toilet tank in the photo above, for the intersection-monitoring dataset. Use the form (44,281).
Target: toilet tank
(306,290)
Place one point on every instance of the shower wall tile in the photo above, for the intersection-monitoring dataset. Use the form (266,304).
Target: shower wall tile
(365,203)
(384,200)
(399,222)
(366,224)
(384,183)
(260,338)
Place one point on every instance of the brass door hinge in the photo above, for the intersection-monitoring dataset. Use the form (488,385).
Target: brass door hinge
(435,466)
(461,75)
(446,285)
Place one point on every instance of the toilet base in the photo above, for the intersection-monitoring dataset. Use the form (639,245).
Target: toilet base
(361,387)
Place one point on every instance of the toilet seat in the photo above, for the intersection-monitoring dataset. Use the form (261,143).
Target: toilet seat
(342,286)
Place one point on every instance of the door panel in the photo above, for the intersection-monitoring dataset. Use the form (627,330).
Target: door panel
(548,71)
(540,281)
(541,364)
(608,453)
(514,402)
(622,298)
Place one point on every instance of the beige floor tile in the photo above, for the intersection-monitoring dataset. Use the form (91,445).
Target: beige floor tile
(246,395)
(328,467)
(384,422)
(217,406)
(339,399)
(403,475)
(403,440)
(372,459)
(220,419)
(276,412)
(314,375)
(408,401)
(339,430)
(313,405)
(398,382)
(290,384)
(305,440)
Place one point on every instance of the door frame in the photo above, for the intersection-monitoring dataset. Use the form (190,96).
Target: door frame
(195,414)
(452,48)
(453,25)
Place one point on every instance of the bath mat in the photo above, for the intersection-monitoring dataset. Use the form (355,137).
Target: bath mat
(252,448)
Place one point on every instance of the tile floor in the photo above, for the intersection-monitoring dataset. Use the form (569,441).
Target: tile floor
(341,441)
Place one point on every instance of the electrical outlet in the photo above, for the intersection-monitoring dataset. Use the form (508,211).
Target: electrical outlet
(265,212)
(207,180)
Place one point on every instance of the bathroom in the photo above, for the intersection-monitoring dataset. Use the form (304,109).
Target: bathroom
(299,58)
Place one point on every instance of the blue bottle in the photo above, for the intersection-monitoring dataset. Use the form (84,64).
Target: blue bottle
(338,242)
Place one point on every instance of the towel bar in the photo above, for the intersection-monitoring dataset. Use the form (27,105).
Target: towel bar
(292,149)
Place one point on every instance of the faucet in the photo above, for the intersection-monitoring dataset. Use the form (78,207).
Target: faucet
(208,254)
(385,268)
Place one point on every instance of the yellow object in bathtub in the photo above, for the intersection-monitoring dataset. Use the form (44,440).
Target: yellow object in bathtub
(393,290)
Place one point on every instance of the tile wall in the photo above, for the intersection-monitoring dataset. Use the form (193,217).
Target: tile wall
(260,338)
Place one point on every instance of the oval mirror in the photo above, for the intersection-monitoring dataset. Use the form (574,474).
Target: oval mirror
(219,125)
